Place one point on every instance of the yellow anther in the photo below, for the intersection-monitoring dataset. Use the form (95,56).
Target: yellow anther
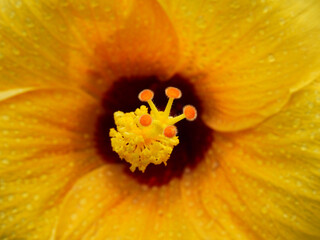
(142,138)
(170,131)
(145,120)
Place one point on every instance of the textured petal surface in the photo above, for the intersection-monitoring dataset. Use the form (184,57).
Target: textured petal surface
(83,44)
(246,57)
(46,143)
(106,204)
(268,180)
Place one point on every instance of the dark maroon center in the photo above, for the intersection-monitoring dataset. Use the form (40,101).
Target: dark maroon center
(195,137)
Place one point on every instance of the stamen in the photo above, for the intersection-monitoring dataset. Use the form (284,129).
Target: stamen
(190,112)
(146,95)
(172,93)
(176,119)
(142,138)
(170,131)
(145,120)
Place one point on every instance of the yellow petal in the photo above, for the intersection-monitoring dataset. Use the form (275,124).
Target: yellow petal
(101,205)
(46,142)
(246,57)
(267,183)
(106,204)
(83,44)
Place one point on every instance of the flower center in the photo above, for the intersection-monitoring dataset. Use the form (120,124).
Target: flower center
(142,138)
(195,138)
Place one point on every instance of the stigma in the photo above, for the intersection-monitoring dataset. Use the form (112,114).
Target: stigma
(143,137)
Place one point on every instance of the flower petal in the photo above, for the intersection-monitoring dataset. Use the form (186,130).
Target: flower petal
(83,44)
(246,57)
(268,180)
(107,204)
(46,142)
(98,203)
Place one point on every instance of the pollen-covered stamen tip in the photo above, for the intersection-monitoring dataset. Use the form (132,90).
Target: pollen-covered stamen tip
(145,120)
(173,92)
(170,131)
(146,95)
(190,112)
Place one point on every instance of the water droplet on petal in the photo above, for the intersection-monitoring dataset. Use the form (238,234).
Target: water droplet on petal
(271,58)
(18,3)
(16,52)
(5,161)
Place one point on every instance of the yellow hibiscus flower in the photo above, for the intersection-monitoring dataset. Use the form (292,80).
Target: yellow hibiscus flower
(247,168)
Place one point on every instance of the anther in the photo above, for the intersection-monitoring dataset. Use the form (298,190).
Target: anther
(146,95)
(190,112)
(173,92)
(145,120)
(170,131)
